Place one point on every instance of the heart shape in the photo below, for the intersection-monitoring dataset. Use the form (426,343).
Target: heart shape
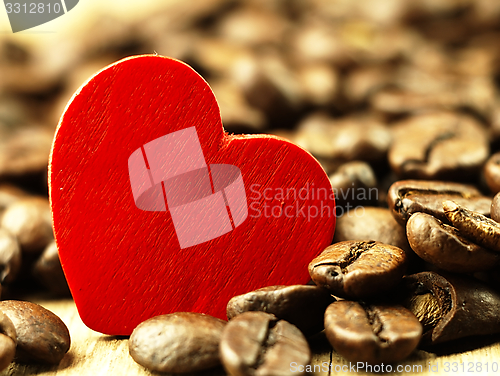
(24,15)
(120,243)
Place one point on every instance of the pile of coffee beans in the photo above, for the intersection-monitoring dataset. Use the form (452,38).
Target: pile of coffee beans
(399,102)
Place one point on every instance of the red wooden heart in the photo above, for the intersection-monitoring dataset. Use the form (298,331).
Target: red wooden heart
(122,255)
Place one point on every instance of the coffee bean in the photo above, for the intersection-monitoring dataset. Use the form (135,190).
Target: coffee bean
(495,208)
(49,272)
(371,333)
(30,220)
(259,344)
(445,246)
(451,306)
(42,337)
(441,145)
(374,224)
(406,197)
(177,342)
(365,81)
(354,183)
(401,102)
(10,256)
(25,151)
(8,339)
(320,83)
(353,138)
(476,227)
(492,173)
(9,194)
(302,306)
(358,269)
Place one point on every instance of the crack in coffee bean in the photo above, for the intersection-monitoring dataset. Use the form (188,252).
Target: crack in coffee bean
(354,253)
(372,333)
(446,247)
(259,344)
(476,227)
(353,269)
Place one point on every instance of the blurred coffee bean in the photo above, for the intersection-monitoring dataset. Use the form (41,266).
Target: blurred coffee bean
(357,138)
(492,172)
(259,344)
(373,224)
(474,226)
(178,342)
(218,56)
(252,27)
(451,306)
(41,336)
(446,247)
(495,208)
(26,68)
(270,86)
(10,194)
(373,334)
(363,82)
(236,114)
(302,306)
(406,197)
(358,269)
(320,84)
(48,271)
(354,183)
(30,221)
(10,257)
(399,102)
(25,151)
(317,41)
(441,145)
(8,339)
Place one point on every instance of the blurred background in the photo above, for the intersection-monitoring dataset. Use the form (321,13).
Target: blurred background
(337,77)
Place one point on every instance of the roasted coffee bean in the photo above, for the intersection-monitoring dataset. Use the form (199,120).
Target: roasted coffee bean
(354,183)
(358,269)
(441,145)
(451,306)
(445,247)
(10,194)
(25,151)
(372,333)
(495,208)
(492,172)
(476,227)
(400,102)
(49,272)
(259,344)
(42,337)
(302,306)
(177,342)
(30,220)
(8,339)
(373,224)
(406,197)
(10,256)
(349,139)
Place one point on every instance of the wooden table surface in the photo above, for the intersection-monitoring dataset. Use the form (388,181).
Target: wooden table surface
(92,353)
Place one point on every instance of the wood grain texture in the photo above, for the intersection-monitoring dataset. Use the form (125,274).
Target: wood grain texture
(92,353)
(125,265)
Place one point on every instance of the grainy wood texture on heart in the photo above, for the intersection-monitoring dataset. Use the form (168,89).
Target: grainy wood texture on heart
(124,264)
